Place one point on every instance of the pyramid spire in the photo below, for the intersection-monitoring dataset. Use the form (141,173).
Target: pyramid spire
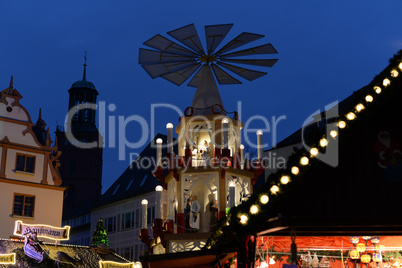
(207,94)
(11,82)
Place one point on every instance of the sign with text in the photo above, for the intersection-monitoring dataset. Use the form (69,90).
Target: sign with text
(7,258)
(42,230)
(112,264)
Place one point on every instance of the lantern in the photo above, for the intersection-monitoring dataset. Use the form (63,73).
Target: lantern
(361,247)
(354,254)
(377,257)
(365,258)
(354,240)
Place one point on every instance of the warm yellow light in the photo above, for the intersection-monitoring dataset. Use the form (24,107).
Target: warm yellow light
(323,142)
(7,258)
(159,141)
(386,82)
(369,98)
(341,124)
(264,199)
(241,147)
(333,133)
(295,170)
(243,219)
(394,73)
(274,189)
(377,89)
(253,209)
(285,179)
(169,125)
(144,202)
(225,121)
(314,151)
(400,66)
(42,230)
(359,107)
(159,188)
(350,116)
(304,160)
(110,264)
(259,132)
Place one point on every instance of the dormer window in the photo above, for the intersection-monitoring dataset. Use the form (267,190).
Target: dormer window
(25,163)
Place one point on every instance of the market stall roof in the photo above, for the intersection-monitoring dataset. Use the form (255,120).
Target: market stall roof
(358,195)
(196,259)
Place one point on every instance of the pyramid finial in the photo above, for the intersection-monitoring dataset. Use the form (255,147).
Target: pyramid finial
(84,78)
(40,113)
(11,82)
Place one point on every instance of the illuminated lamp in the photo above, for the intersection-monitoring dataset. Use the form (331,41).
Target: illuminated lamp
(264,264)
(341,124)
(243,219)
(361,247)
(295,170)
(274,189)
(369,98)
(377,89)
(253,209)
(386,82)
(285,179)
(323,142)
(272,261)
(394,73)
(354,240)
(304,160)
(400,66)
(377,257)
(264,199)
(359,107)
(365,258)
(375,240)
(350,116)
(354,254)
(333,133)
(314,151)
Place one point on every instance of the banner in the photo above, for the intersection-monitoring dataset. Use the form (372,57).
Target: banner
(50,232)
(112,264)
(7,258)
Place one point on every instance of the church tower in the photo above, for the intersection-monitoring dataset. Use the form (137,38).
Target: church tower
(81,168)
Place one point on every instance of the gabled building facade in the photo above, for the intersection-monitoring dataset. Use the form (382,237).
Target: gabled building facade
(30,182)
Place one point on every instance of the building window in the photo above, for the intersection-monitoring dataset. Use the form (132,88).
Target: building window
(111,224)
(127,220)
(25,163)
(24,205)
(150,215)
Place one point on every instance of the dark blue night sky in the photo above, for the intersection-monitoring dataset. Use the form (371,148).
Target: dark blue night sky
(327,50)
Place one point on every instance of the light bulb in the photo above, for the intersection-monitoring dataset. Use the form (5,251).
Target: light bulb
(341,124)
(350,116)
(314,151)
(243,219)
(274,189)
(394,73)
(304,160)
(333,133)
(359,107)
(295,170)
(285,179)
(253,209)
(386,82)
(323,142)
(377,89)
(264,199)
(369,98)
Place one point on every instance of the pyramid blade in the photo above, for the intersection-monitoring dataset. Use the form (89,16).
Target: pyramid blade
(147,56)
(195,81)
(162,43)
(215,34)
(248,74)
(179,77)
(188,36)
(156,70)
(242,39)
(257,62)
(223,77)
(264,49)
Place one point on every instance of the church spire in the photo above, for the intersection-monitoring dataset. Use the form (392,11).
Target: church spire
(84,77)
(11,82)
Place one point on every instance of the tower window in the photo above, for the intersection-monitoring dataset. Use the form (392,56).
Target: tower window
(25,163)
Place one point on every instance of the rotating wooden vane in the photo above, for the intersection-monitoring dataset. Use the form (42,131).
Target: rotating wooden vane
(177,63)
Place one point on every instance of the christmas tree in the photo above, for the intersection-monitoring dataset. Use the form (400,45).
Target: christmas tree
(100,235)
